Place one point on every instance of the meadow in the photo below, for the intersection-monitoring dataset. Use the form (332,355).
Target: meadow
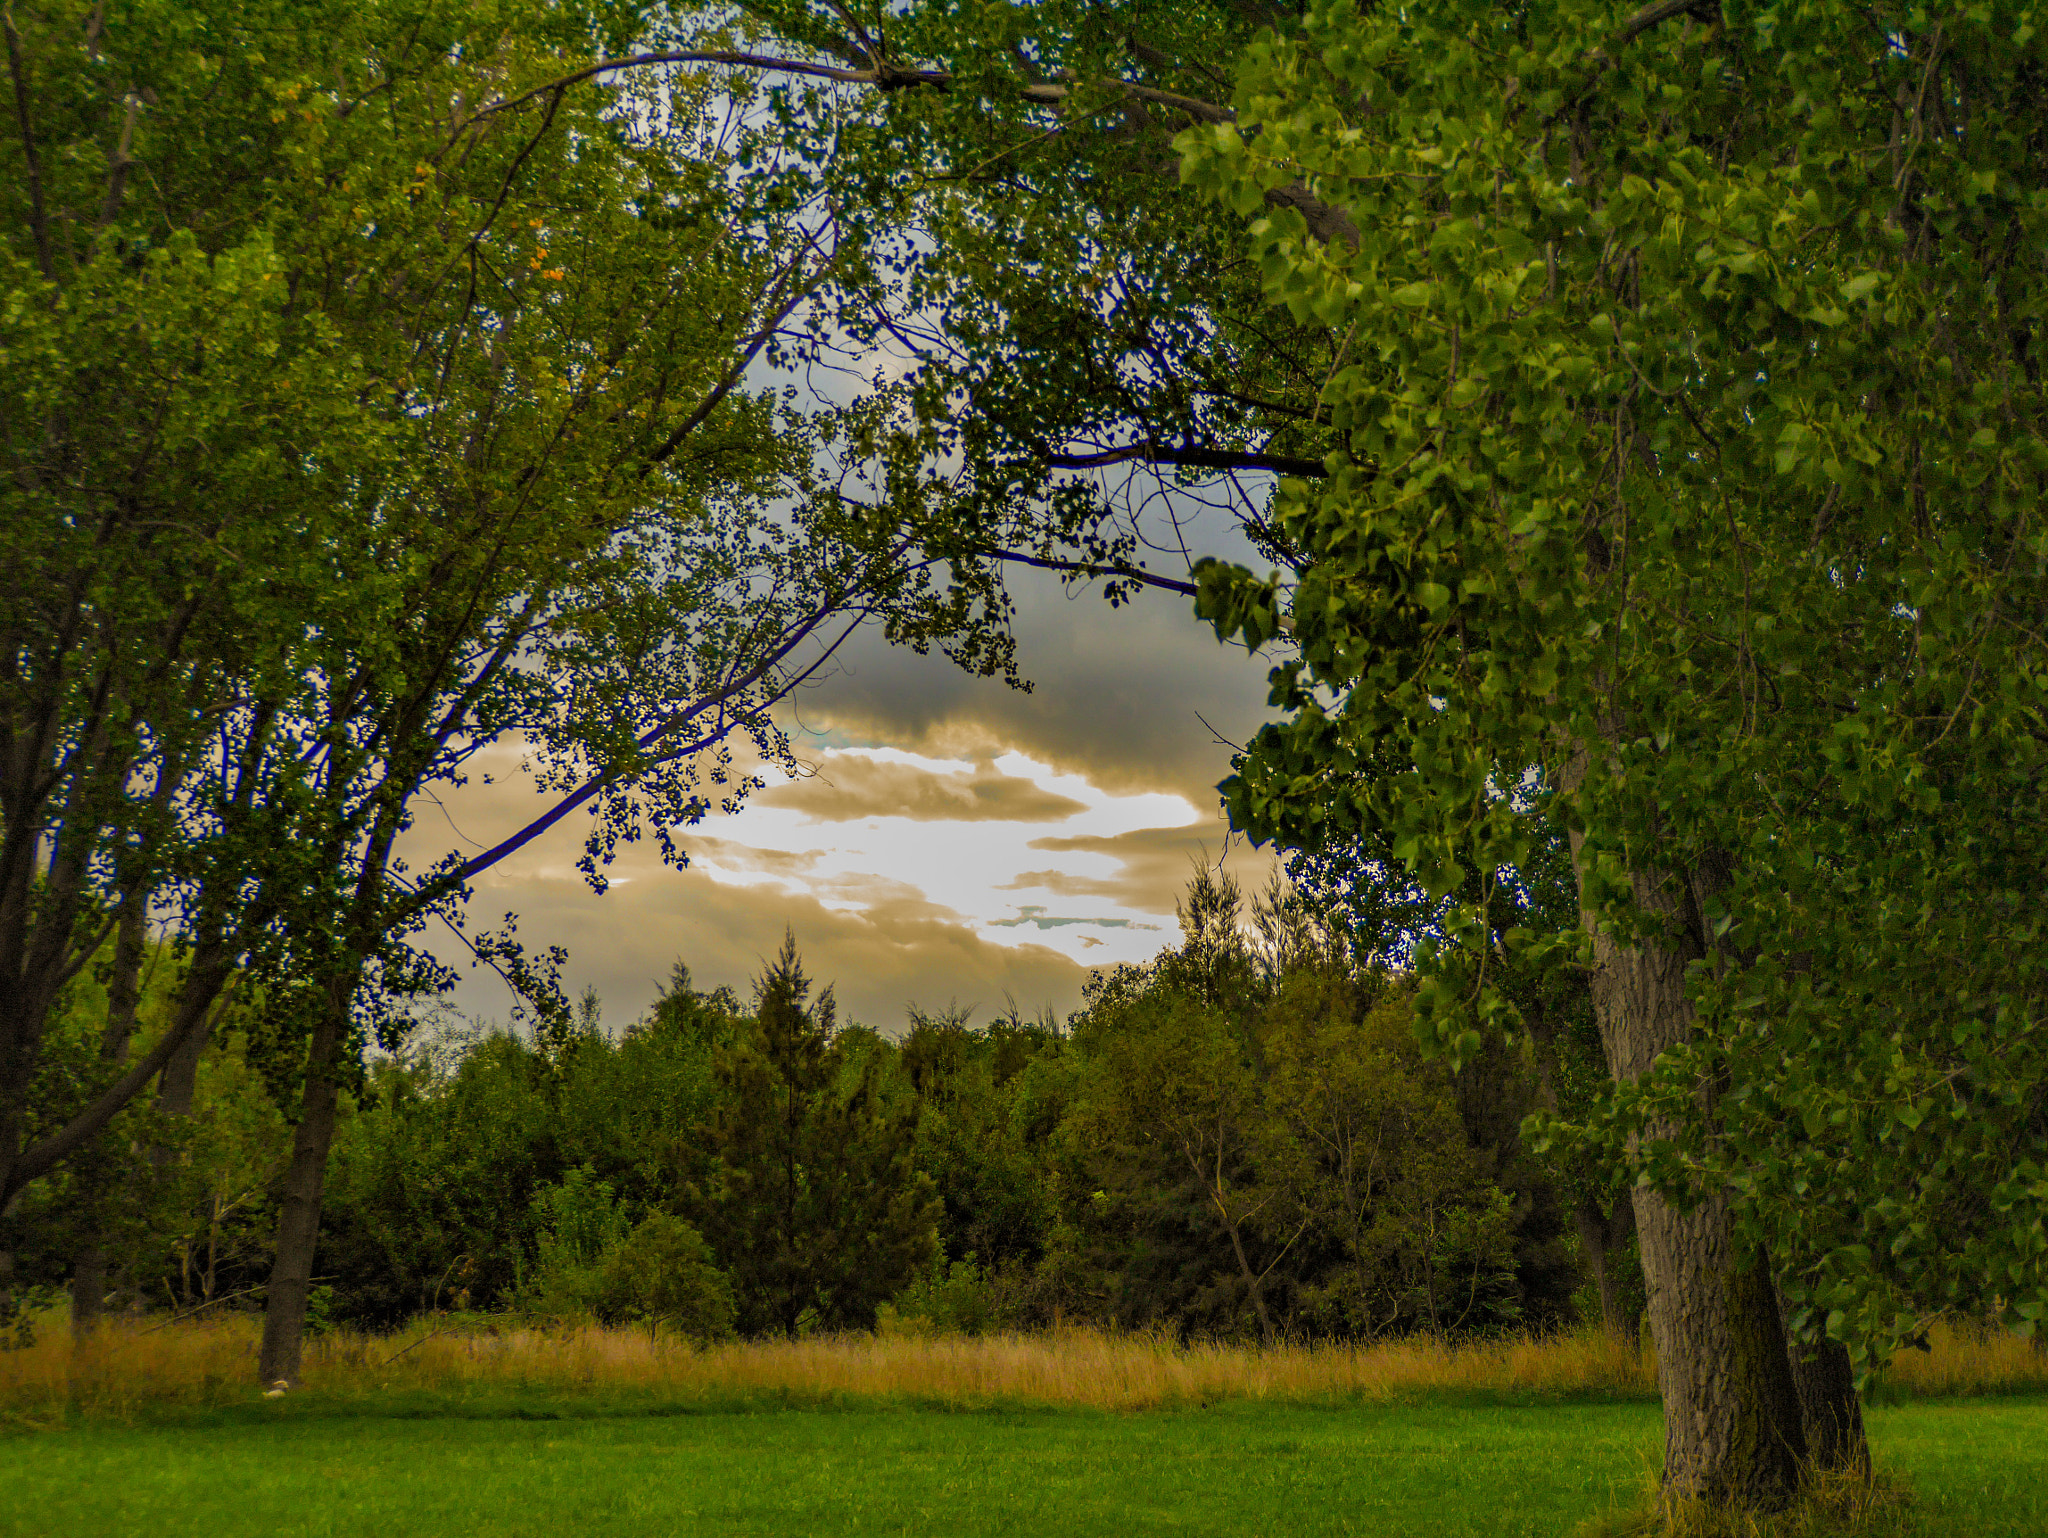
(457,1428)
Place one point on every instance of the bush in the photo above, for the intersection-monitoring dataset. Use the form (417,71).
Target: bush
(662,1275)
(944,1299)
(594,1264)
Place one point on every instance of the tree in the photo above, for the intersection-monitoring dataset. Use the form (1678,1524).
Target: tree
(996,1207)
(1719,695)
(1357,883)
(816,1207)
(1690,454)
(450,358)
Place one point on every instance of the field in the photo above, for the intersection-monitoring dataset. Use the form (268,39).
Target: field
(468,1432)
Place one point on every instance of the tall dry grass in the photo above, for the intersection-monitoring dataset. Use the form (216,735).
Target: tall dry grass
(128,1369)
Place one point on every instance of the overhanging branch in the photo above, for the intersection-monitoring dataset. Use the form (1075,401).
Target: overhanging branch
(1195,459)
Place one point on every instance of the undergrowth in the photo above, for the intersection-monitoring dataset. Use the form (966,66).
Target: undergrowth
(134,1368)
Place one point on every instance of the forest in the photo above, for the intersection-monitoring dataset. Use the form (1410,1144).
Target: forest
(1630,425)
(1241,1140)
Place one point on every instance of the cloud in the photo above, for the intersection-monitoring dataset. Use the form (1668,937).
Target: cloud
(730,854)
(895,949)
(987,876)
(1133,699)
(853,786)
(1038,917)
(1153,865)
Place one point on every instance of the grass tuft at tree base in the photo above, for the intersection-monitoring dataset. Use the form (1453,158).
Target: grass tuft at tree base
(1831,1504)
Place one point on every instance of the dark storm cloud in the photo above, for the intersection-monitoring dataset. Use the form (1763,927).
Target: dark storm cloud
(851,787)
(1133,698)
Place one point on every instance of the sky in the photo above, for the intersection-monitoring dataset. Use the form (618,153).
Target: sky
(957,842)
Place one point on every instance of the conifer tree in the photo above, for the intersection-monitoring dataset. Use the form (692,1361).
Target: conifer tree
(816,1209)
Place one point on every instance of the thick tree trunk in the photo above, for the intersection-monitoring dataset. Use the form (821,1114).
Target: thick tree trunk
(179,1081)
(88,1289)
(1732,1428)
(298,1224)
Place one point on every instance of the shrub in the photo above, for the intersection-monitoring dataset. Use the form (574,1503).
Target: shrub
(595,1264)
(662,1275)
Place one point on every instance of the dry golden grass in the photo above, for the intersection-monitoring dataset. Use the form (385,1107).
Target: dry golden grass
(125,1369)
(1967,1359)
(129,1368)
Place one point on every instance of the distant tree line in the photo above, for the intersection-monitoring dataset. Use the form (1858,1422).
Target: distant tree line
(1241,1139)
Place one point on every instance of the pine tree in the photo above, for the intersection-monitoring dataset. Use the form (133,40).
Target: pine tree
(815,1207)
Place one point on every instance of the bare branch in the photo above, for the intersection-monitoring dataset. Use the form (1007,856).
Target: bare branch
(1118,570)
(885,75)
(1197,459)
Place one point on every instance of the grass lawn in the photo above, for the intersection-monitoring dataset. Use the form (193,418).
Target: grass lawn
(401,1467)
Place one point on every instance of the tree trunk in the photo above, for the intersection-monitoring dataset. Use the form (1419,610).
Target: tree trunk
(298,1224)
(1830,1410)
(96,1179)
(1732,1428)
(1601,1238)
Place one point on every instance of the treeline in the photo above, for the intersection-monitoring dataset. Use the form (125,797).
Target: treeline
(1240,1139)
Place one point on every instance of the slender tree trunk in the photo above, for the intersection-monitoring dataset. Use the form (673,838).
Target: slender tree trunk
(97,1179)
(1602,1236)
(1733,1433)
(1830,1410)
(298,1224)
(1254,1285)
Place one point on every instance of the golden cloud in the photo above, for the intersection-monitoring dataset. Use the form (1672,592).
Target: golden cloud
(1156,864)
(851,787)
(730,854)
(898,949)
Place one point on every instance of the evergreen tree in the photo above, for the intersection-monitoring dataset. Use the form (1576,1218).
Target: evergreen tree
(815,1208)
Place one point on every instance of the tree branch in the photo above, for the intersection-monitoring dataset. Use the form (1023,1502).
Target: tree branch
(1089,569)
(1195,459)
(38,216)
(203,986)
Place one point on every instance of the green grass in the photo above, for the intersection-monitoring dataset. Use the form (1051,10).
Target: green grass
(398,1468)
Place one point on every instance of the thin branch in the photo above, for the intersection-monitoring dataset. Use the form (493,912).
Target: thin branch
(887,76)
(1199,459)
(117,173)
(1120,571)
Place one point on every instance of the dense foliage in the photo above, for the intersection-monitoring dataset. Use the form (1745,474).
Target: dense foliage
(1241,1139)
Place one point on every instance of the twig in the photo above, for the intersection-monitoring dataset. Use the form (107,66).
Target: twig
(175,1318)
(403,1349)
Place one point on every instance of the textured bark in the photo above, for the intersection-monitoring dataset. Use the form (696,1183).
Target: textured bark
(1733,1434)
(180,1078)
(1830,1410)
(298,1224)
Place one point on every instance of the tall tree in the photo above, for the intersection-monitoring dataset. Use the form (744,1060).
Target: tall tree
(1690,454)
(434,435)
(816,1207)
(1583,296)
